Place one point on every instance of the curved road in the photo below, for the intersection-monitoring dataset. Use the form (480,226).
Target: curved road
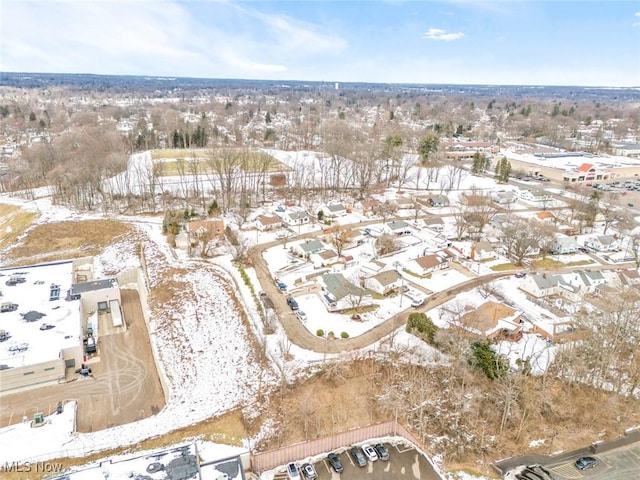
(300,336)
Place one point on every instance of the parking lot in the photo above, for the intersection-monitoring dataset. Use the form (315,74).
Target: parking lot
(404,463)
(620,464)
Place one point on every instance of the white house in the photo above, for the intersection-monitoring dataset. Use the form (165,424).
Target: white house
(338,293)
(307,247)
(384,282)
(564,245)
(540,285)
(399,227)
(429,263)
(333,210)
(482,251)
(295,217)
(534,195)
(434,223)
(323,258)
(602,243)
(504,198)
(268,222)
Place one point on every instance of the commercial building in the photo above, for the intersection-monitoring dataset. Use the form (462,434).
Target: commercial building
(46,317)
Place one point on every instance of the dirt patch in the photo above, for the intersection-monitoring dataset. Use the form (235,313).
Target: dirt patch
(62,240)
(13,223)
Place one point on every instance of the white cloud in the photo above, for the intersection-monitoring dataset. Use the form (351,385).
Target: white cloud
(439,34)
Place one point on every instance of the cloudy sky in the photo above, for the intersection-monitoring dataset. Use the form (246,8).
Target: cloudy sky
(554,42)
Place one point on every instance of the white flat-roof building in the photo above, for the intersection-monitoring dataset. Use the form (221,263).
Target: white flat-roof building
(44,319)
(42,329)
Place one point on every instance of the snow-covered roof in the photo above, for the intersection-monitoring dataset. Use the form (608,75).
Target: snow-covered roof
(27,344)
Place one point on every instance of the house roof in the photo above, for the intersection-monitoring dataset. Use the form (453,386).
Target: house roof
(387,277)
(269,220)
(297,215)
(631,273)
(433,221)
(336,207)
(212,226)
(486,317)
(327,254)
(585,167)
(544,215)
(369,203)
(398,225)
(545,281)
(566,241)
(311,246)
(606,239)
(484,246)
(340,287)
(428,261)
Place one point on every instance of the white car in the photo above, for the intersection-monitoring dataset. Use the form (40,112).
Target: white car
(301,315)
(370,453)
(292,471)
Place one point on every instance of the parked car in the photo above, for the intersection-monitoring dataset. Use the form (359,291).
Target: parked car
(301,315)
(308,471)
(334,461)
(281,286)
(292,471)
(358,456)
(520,275)
(292,303)
(370,452)
(47,326)
(383,453)
(583,463)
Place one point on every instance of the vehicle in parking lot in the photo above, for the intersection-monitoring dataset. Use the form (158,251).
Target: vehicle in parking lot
(292,303)
(308,471)
(520,275)
(292,471)
(281,286)
(301,315)
(358,456)
(370,452)
(584,463)
(381,450)
(334,461)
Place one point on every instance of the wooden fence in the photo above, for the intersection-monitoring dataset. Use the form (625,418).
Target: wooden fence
(267,460)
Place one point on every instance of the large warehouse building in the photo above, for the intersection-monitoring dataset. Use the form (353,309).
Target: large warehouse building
(44,316)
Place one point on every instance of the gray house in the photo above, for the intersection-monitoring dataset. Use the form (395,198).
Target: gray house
(340,294)
(563,246)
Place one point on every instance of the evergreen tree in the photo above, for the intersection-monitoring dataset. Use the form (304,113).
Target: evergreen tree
(428,145)
(267,118)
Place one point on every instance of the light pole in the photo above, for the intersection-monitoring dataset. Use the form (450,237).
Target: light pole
(397,265)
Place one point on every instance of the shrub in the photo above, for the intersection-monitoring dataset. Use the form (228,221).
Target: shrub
(423,325)
(320,332)
(344,335)
(485,358)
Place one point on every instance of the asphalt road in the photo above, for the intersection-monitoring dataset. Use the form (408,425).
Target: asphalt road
(619,464)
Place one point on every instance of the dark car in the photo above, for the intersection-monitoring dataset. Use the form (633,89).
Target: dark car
(520,275)
(383,453)
(358,456)
(47,326)
(292,303)
(308,471)
(334,461)
(584,463)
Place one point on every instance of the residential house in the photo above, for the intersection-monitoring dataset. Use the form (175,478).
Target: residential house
(482,251)
(367,207)
(197,231)
(505,197)
(429,263)
(399,227)
(438,201)
(268,222)
(405,203)
(338,293)
(474,200)
(434,223)
(629,277)
(537,196)
(333,210)
(372,268)
(546,216)
(295,217)
(540,285)
(493,321)
(384,282)
(323,258)
(307,247)
(602,243)
(563,246)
